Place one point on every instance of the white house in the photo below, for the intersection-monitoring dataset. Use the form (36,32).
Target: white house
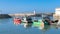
(57,13)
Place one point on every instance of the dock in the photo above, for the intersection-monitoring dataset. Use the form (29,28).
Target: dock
(31,14)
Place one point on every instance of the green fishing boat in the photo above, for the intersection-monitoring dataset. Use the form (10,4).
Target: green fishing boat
(37,23)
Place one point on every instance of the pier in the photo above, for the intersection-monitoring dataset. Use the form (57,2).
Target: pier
(31,14)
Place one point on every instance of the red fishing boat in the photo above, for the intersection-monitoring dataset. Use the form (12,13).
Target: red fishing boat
(17,21)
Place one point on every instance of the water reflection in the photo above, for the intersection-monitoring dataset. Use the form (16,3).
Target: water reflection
(28,25)
(9,27)
(4,21)
(46,27)
(58,27)
(43,28)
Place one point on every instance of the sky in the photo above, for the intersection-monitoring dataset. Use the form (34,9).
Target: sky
(20,6)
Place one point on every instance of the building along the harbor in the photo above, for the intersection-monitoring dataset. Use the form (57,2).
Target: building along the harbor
(56,15)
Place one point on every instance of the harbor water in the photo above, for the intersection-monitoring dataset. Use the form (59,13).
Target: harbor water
(7,26)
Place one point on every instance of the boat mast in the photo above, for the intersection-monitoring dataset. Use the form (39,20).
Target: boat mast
(34,14)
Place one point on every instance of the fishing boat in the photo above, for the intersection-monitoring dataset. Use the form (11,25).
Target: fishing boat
(17,21)
(27,20)
(24,20)
(39,24)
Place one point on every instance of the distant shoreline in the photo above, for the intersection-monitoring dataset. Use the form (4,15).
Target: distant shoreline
(4,16)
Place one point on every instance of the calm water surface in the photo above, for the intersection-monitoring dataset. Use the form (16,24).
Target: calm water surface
(8,27)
